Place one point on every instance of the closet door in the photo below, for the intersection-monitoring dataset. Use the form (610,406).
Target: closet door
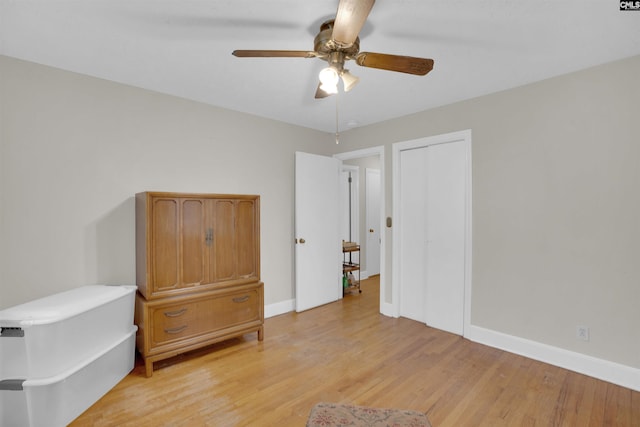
(432,234)
(445,228)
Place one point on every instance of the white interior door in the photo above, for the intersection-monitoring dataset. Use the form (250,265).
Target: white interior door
(445,228)
(372,212)
(318,249)
(433,232)
(412,230)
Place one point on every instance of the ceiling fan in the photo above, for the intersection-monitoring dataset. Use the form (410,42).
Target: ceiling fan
(338,42)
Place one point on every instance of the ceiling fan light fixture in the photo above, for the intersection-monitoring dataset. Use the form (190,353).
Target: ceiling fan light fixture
(349,80)
(329,80)
(338,42)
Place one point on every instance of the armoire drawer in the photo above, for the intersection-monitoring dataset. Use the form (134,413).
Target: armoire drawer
(177,321)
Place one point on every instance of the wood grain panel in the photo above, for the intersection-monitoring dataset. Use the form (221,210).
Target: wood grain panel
(193,244)
(246,239)
(224,241)
(164,244)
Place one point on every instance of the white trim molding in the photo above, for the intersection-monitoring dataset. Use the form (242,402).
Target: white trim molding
(279,308)
(388,309)
(616,373)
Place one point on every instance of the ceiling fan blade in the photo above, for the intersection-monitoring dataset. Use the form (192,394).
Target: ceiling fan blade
(321,93)
(274,54)
(403,64)
(350,19)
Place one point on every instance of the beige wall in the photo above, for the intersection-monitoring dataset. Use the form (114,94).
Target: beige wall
(556,206)
(555,197)
(75,150)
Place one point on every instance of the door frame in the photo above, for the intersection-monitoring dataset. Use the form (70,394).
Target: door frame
(396,149)
(385,307)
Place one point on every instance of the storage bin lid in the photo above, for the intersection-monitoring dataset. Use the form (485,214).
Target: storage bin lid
(63,305)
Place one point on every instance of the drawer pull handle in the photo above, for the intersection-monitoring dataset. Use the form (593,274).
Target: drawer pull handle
(175,313)
(176,330)
(241,299)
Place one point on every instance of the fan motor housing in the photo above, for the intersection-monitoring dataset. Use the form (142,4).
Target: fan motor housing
(325,46)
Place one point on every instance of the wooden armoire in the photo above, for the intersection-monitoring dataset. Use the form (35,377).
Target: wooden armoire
(197,271)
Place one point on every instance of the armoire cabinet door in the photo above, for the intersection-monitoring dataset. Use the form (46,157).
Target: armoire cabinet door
(190,242)
(192,247)
(223,254)
(177,243)
(164,250)
(247,239)
(234,253)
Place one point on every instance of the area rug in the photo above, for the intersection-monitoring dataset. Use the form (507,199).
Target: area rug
(339,415)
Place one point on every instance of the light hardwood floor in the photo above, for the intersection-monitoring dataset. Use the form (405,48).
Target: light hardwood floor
(347,352)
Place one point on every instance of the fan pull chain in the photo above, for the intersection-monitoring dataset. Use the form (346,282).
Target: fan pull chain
(337,132)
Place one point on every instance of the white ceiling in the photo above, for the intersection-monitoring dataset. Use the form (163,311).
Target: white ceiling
(183,48)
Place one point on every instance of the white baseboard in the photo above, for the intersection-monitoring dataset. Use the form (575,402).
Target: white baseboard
(388,309)
(278,308)
(623,375)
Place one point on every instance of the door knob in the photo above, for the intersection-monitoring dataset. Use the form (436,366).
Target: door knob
(371,230)
(302,241)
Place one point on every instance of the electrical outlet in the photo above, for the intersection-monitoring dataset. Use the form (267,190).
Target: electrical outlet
(582,333)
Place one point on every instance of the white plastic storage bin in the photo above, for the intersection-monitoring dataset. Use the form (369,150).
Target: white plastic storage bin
(56,401)
(51,335)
